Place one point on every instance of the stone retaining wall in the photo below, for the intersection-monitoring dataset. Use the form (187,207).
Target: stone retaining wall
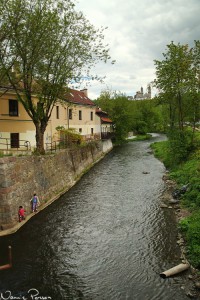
(49,176)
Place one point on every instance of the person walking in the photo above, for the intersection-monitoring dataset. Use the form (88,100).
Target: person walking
(35,202)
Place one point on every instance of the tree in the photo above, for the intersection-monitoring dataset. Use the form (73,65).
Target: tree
(117,106)
(194,115)
(45,45)
(174,79)
(178,80)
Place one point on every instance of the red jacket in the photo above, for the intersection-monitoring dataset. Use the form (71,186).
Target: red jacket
(21,212)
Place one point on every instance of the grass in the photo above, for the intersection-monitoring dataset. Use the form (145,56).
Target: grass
(187,172)
(4,155)
(140,137)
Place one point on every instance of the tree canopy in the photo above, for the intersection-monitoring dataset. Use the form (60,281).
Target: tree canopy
(45,45)
(178,81)
(139,116)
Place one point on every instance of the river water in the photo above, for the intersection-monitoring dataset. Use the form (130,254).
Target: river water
(106,238)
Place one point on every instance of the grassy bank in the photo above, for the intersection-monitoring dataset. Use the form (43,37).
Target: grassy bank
(188,172)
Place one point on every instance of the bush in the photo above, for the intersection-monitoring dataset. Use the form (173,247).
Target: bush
(190,227)
(180,145)
(140,127)
(187,171)
(161,151)
(69,137)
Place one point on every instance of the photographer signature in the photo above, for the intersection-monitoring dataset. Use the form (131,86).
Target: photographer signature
(32,294)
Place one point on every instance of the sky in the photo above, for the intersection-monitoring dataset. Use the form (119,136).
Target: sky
(138,32)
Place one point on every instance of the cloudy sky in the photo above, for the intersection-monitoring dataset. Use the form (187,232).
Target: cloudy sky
(138,32)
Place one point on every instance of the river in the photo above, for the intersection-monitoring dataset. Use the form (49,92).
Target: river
(106,238)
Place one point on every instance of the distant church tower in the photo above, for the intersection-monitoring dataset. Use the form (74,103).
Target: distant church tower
(140,94)
(149,91)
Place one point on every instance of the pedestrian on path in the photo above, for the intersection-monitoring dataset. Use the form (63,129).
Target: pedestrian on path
(21,213)
(35,202)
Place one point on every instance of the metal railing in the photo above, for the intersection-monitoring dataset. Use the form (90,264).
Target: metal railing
(64,143)
(6,144)
(107,135)
(91,137)
(53,146)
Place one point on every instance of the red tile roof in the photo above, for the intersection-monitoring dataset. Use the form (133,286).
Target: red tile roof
(103,116)
(78,97)
(107,120)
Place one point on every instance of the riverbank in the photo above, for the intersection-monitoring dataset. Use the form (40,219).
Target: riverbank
(18,225)
(50,176)
(192,284)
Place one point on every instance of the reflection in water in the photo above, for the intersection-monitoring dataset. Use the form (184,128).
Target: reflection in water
(106,238)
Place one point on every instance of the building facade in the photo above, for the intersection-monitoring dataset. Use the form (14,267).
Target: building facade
(75,110)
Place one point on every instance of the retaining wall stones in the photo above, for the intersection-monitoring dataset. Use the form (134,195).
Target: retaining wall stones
(49,176)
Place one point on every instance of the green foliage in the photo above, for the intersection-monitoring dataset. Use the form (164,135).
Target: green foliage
(137,116)
(187,172)
(8,154)
(178,148)
(178,82)
(180,145)
(117,106)
(140,127)
(141,137)
(161,151)
(69,137)
(191,229)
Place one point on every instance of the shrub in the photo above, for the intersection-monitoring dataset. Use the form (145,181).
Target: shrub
(69,137)
(190,227)
(161,151)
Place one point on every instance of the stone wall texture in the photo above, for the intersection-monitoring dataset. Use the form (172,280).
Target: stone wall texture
(49,176)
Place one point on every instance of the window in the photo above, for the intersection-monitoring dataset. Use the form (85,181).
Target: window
(14,140)
(80,130)
(91,115)
(80,115)
(92,130)
(13,108)
(70,114)
(57,112)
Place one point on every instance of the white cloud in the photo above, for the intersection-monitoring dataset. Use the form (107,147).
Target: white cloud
(138,32)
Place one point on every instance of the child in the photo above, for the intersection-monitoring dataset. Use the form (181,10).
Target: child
(21,213)
(35,202)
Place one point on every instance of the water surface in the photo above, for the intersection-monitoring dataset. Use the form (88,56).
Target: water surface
(107,238)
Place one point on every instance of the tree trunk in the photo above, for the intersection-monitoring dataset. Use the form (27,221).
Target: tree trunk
(180,112)
(40,129)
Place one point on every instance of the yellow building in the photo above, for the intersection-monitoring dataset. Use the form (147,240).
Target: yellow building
(17,130)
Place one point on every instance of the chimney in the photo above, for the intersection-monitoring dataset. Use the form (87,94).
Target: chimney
(85,91)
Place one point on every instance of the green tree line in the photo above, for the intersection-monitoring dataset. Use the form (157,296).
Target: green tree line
(139,116)
(176,108)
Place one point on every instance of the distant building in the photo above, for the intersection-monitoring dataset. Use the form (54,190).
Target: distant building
(140,95)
